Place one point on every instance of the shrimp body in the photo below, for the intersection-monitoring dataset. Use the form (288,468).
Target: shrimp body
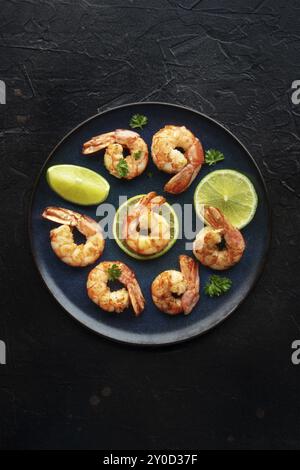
(62,240)
(115,142)
(145,231)
(166,156)
(115,301)
(174,292)
(206,246)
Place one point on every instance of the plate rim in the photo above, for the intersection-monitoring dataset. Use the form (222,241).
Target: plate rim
(262,264)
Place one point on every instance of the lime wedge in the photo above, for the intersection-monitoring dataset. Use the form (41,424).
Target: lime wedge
(117,229)
(77,184)
(231,192)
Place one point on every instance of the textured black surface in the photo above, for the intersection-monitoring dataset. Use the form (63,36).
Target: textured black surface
(64,387)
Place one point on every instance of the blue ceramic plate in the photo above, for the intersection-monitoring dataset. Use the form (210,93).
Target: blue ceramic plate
(68,285)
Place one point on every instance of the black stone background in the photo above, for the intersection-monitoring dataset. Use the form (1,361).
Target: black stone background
(63,386)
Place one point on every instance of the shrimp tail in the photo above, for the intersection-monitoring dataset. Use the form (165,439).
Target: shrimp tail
(84,223)
(61,215)
(136,297)
(100,142)
(182,180)
(97,143)
(145,200)
(151,201)
(215,218)
(135,294)
(190,270)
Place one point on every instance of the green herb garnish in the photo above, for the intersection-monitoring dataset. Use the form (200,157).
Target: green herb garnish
(137,155)
(138,121)
(122,168)
(212,156)
(217,285)
(114,272)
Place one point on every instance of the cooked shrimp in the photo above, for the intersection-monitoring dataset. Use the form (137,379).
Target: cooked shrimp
(207,244)
(62,240)
(168,157)
(174,292)
(145,231)
(115,301)
(115,142)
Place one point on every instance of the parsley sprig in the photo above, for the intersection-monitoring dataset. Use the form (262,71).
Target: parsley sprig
(138,121)
(137,155)
(122,168)
(114,272)
(212,156)
(217,285)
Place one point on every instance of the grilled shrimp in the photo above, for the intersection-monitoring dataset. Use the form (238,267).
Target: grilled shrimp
(115,301)
(174,292)
(145,231)
(62,240)
(167,157)
(115,142)
(207,244)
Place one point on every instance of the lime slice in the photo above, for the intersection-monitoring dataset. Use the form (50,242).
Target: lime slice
(77,184)
(231,192)
(117,229)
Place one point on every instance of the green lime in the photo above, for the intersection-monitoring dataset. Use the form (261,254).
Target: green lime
(231,192)
(118,222)
(77,184)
